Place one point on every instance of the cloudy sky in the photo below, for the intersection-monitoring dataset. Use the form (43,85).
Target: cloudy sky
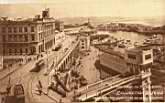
(72,8)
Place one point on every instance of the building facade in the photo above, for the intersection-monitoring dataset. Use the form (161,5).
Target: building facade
(84,42)
(24,38)
(84,37)
(59,25)
(113,61)
(137,57)
(138,61)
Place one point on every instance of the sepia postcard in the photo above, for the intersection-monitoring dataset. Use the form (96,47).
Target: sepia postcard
(76,51)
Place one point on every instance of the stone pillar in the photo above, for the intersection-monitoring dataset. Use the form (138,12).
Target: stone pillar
(142,86)
(146,86)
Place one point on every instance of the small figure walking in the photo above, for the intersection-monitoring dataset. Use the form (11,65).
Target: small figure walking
(50,87)
(3,100)
(39,87)
(60,101)
(8,89)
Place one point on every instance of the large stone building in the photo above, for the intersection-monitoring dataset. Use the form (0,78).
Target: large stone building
(84,42)
(22,39)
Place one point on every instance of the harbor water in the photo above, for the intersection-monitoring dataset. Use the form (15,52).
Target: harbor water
(132,36)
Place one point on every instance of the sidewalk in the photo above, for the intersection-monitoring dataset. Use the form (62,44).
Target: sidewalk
(87,67)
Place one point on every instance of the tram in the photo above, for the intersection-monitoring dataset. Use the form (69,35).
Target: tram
(38,66)
(19,93)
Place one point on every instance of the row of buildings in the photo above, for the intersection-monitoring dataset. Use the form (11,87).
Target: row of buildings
(29,37)
(125,27)
(23,39)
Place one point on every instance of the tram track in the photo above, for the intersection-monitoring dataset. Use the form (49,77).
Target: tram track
(29,89)
(29,86)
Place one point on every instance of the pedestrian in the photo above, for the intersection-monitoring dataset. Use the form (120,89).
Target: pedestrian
(39,87)
(3,100)
(8,89)
(37,57)
(53,64)
(60,101)
(50,87)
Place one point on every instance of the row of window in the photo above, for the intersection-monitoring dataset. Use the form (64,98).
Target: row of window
(41,27)
(134,56)
(17,38)
(131,56)
(82,44)
(17,51)
(16,29)
(45,33)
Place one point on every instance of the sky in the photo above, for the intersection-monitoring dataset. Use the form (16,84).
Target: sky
(85,8)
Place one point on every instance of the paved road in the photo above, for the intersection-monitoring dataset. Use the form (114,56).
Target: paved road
(23,76)
(88,68)
(33,96)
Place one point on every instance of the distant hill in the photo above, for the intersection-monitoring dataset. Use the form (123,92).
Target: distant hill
(159,21)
